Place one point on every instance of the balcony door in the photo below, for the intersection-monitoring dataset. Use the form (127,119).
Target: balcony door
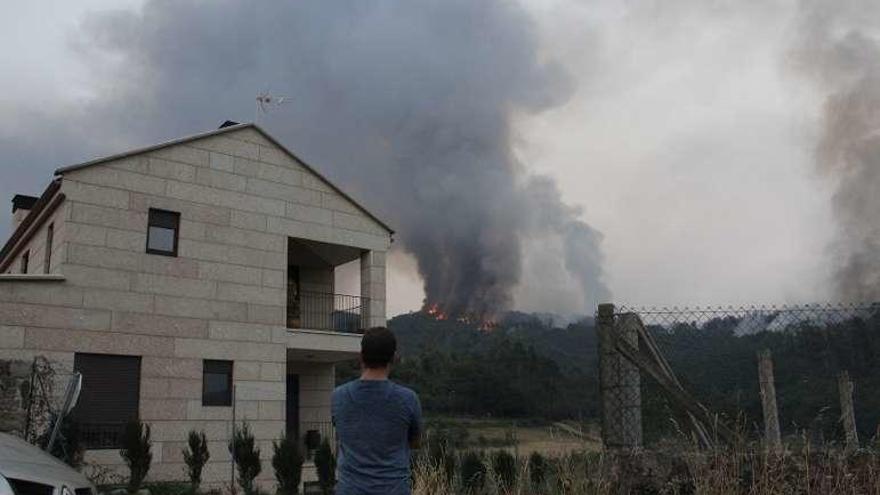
(292,407)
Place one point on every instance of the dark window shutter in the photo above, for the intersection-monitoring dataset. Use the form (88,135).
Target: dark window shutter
(110,397)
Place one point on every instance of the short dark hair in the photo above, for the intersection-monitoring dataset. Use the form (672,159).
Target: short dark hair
(378,347)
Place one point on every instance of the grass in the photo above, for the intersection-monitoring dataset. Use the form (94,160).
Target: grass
(674,469)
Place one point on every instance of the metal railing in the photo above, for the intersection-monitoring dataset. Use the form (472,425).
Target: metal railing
(100,435)
(325,311)
(665,366)
(312,433)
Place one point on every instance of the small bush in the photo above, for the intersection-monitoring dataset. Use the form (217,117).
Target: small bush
(537,468)
(473,471)
(504,467)
(195,456)
(288,462)
(136,451)
(246,456)
(325,463)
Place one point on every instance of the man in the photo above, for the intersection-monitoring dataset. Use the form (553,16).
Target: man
(377,423)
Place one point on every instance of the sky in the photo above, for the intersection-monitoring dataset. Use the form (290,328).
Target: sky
(684,137)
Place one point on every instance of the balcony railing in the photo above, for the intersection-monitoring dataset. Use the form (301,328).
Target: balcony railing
(312,433)
(100,435)
(324,311)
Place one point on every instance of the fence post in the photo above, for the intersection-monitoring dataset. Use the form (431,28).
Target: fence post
(847,412)
(772,435)
(619,384)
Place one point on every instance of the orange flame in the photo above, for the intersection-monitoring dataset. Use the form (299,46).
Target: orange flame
(433,310)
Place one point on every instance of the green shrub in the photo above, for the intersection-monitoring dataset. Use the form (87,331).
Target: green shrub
(537,468)
(473,471)
(325,464)
(504,467)
(246,456)
(195,456)
(288,462)
(136,451)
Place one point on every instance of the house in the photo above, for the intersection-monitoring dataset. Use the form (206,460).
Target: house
(192,283)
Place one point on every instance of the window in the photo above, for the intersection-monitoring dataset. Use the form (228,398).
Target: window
(162,232)
(109,397)
(217,383)
(24,261)
(47,259)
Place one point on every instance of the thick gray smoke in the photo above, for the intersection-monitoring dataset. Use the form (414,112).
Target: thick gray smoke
(580,242)
(408,103)
(838,48)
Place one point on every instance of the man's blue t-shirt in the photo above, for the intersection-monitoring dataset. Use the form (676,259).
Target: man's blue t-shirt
(375,422)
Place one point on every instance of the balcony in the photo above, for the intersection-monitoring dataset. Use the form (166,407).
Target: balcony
(326,311)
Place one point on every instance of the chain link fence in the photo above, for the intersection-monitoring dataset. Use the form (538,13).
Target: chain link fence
(667,372)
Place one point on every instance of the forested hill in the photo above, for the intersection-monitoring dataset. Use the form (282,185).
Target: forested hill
(525,367)
(569,345)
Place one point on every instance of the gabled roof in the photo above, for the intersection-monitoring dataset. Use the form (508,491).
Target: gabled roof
(224,130)
(39,212)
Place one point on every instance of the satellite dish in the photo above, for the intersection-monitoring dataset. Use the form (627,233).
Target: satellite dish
(75,388)
(71,396)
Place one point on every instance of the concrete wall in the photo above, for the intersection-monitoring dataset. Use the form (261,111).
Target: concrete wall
(319,280)
(222,297)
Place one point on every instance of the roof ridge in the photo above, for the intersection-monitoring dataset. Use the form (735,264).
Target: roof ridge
(216,132)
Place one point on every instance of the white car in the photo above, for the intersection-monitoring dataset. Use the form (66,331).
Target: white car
(27,470)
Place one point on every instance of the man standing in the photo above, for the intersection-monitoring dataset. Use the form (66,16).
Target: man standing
(377,423)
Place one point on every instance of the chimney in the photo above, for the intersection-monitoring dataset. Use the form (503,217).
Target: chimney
(21,206)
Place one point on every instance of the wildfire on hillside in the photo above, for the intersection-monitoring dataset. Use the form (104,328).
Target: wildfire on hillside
(434,311)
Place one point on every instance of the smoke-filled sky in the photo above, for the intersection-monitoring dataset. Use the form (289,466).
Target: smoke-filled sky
(560,152)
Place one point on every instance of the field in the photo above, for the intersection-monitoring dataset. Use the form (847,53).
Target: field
(519,437)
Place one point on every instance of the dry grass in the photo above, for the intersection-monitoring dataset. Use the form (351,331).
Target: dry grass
(680,471)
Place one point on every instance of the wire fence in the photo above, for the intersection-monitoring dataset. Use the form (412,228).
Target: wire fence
(708,358)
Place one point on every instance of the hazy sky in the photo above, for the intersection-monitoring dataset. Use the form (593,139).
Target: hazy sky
(687,140)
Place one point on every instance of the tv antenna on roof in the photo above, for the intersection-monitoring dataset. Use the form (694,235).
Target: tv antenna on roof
(266,102)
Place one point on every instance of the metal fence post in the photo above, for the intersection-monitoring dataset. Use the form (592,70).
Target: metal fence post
(772,435)
(619,384)
(847,412)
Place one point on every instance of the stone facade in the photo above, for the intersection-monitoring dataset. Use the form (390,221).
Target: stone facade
(241,199)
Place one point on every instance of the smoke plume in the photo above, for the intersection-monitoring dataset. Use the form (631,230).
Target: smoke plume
(838,49)
(580,242)
(408,104)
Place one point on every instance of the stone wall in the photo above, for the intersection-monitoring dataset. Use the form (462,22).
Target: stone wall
(14,390)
